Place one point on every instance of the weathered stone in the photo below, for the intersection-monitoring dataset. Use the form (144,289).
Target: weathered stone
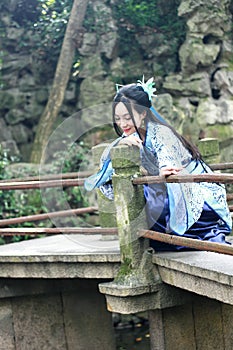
(15,63)
(26,82)
(14,33)
(164,105)
(101,90)
(108,44)
(46,319)
(7,100)
(197,84)
(14,116)
(21,134)
(210,112)
(93,68)
(83,331)
(208,324)
(22,169)
(6,326)
(107,211)
(88,45)
(198,272)
(41,96)
(227,48)
(209,148)
(223,82)
(120,68)
(195,54)
(183,336)
(5,133)
(70,94)
(210,21)
(11,148)
(130,203)
(29,70)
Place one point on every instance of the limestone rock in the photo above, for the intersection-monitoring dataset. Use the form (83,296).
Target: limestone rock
(194,55)
(89,44)
(21,134)
(93,67)
(223,82)
(195,85)
(164,105)
(14,116)
(95,90)
(210,112)
(108,44)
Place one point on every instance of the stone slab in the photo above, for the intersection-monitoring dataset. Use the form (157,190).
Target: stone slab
(61,256)
(205,273)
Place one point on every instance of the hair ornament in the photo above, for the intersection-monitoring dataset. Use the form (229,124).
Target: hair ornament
(148,86)
(118,86)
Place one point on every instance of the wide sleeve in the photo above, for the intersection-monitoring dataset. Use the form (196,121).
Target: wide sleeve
(168,148)
(185,200)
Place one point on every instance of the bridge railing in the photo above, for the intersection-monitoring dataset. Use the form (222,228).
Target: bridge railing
(128,206)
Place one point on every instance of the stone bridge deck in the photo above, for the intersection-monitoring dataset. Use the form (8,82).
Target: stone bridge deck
(60,256)
(52,283)
(92,257)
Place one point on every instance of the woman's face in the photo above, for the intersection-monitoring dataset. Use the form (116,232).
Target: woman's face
(124,120)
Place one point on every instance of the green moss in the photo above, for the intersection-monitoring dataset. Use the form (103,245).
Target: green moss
(125,270)
(219,131)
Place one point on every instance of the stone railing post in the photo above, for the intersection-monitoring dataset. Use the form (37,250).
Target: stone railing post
(107,212)
(129,203)
(137,286)
(209,148)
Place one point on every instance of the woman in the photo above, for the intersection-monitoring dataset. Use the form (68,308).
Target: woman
(194,210)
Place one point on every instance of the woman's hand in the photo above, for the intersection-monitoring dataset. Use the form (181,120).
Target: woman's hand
(131,140)
(166,171)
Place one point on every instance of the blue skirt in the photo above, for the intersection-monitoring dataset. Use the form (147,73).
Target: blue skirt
(209,226)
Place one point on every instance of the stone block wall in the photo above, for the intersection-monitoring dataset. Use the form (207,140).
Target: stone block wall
(54,315)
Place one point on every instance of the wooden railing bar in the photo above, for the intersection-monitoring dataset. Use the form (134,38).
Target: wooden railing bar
(44,216)
(221,166)
(219,178)
(26,185)
(187,242)
(24,231)
(73,175)
(229,196)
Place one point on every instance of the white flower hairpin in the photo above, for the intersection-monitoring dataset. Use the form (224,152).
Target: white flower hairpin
(148,86)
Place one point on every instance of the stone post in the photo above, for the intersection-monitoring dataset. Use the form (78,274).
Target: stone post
(209,148)
(107,212)
(129,202)
(137,286)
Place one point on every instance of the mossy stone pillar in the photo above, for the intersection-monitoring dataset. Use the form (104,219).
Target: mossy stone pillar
(209,148)
(129,203)
(107,215)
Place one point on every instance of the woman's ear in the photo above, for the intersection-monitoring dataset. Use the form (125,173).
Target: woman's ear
(143,114)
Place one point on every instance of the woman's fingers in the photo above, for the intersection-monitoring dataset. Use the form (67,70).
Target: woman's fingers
(166,171)
(131,141)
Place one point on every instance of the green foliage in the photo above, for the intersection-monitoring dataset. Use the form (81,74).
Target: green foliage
(51,24)
(29,202)
(152,17)
(162,17)
(96,20)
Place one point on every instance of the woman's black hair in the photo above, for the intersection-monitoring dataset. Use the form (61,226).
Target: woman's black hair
(133,94)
